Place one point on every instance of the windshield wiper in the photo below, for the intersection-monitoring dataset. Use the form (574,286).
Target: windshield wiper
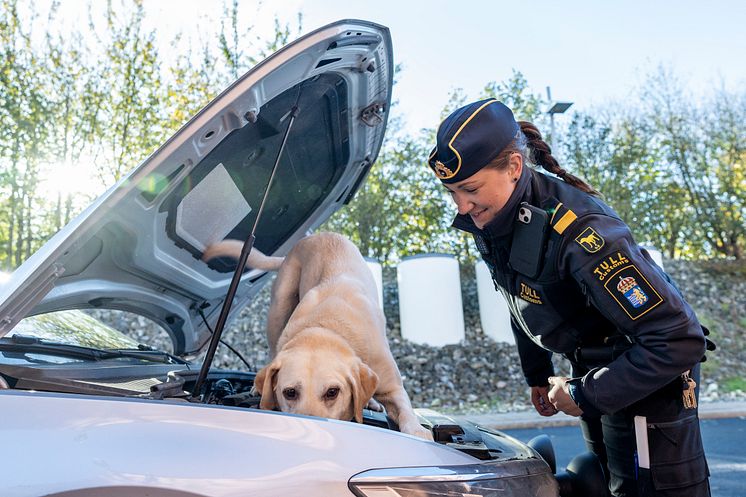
(22,343)
(150,354)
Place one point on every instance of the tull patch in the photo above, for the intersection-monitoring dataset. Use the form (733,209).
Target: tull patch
(530,295)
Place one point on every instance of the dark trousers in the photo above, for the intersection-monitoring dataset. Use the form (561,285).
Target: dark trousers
(677,461)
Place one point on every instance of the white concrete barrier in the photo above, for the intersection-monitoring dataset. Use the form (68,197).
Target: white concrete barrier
(655,254)
(377,270)
(493,310)
(430,306)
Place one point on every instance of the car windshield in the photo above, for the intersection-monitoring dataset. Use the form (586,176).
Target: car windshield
(73,327)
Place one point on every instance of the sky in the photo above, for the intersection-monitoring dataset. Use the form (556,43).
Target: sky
(589,52)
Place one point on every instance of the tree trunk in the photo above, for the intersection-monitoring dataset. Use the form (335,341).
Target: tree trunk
(11,228)
(29,234)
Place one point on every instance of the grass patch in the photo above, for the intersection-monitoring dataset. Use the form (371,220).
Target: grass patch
(733,384)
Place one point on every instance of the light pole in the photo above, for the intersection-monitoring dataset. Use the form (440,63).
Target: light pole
(554,108)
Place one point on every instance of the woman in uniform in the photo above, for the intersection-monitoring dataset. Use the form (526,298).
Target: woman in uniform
(578,284)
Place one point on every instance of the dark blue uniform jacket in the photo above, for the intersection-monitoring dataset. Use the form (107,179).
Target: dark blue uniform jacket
(596,286)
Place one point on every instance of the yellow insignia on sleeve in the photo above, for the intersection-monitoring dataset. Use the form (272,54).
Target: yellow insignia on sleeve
(632,292)
(609,264)
(566,220)
(590,240)
(530,295)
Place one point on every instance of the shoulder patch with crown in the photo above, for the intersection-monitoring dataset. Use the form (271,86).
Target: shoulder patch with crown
(634,294)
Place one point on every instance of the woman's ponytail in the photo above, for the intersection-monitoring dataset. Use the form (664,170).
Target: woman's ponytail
(541,155)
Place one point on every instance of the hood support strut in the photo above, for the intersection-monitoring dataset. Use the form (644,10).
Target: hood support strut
(245,250)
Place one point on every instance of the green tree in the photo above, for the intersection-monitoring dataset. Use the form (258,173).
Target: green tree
(241,49)
(701,148)
(100,93)
(130,93)
(74,97)
(515,93)
(190,86)
(24,131)
(194,80)
(402,209)
(724,153)
(670,165)
(616,154)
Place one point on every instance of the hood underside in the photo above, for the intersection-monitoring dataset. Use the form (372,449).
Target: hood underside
(137,248)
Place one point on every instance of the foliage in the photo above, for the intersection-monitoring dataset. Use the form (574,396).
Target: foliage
(402,209)
(24,131)
(104,94)
(734,384)
(672,169)
(100,94)
(514,92)
(130,94)
(397,211)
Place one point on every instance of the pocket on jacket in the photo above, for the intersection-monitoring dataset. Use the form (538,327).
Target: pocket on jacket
(677,457)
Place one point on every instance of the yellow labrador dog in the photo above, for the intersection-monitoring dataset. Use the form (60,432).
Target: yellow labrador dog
(327,334)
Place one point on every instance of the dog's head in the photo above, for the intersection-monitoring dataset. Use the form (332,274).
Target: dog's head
(317,382)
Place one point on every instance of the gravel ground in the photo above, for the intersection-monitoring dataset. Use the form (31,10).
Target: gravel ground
(480,375)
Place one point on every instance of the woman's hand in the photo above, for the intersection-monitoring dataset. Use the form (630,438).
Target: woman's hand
(559,396)
(540,400)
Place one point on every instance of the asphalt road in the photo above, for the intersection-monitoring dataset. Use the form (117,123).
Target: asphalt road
(724,441)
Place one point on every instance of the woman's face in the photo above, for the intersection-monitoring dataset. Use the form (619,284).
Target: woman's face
(485,192)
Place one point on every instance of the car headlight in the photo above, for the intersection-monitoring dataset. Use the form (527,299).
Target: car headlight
(526,477)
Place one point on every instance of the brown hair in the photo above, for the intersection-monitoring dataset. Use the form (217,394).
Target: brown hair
(535,150)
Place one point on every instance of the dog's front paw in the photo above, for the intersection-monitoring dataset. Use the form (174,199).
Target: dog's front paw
(417,430)
(374,405)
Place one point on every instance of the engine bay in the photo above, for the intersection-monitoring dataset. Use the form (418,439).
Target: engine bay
(222,387)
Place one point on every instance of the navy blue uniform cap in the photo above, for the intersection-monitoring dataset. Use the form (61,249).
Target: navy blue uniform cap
(469,138)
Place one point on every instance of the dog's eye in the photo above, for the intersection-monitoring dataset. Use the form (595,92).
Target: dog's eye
(331,393)
(290,393)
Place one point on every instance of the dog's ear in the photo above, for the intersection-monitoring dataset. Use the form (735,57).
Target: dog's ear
(265,382)
(364,382)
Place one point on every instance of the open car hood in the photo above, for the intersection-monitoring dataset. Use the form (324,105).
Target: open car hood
(137,247)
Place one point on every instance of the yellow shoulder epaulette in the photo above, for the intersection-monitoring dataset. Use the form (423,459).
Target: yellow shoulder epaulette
(562,217)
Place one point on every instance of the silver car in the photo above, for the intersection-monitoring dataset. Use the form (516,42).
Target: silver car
(88,411)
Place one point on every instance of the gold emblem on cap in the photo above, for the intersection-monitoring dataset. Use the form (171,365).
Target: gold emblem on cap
(442,171)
